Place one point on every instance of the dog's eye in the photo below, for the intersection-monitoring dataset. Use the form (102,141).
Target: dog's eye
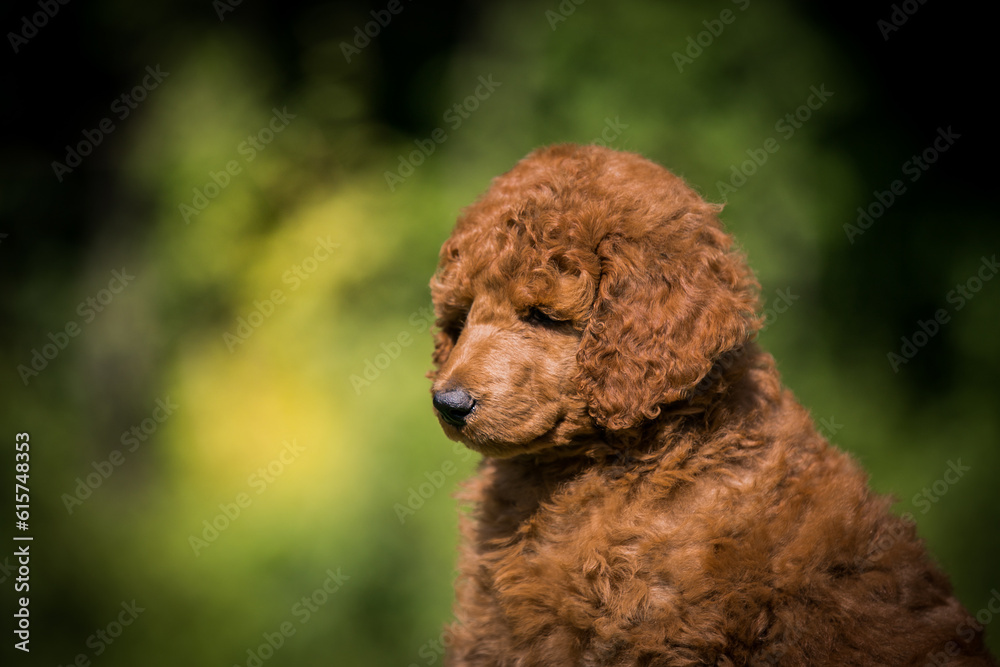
(453,327)
(537,316)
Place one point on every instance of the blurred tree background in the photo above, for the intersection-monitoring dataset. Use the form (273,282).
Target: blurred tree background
(215,305)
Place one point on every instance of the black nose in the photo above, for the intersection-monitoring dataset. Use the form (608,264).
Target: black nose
(454,406)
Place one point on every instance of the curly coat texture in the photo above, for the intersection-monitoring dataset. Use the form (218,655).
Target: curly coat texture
(649,492)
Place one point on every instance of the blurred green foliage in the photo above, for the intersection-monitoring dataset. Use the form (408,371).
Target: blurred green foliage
(337,363)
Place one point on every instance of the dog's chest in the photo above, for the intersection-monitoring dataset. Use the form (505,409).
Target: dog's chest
(589,554)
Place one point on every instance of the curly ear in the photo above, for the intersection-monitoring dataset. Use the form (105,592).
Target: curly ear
(671,300)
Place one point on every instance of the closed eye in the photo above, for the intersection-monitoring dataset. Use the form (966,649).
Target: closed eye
(454,325)
(539,317)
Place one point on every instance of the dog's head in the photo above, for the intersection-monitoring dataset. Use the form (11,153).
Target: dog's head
(586,289)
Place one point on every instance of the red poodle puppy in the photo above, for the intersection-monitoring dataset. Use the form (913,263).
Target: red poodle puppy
(649,493)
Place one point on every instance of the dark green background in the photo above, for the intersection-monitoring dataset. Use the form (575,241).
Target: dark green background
(366,449)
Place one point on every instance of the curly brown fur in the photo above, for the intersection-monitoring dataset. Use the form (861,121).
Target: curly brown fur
(650,494)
